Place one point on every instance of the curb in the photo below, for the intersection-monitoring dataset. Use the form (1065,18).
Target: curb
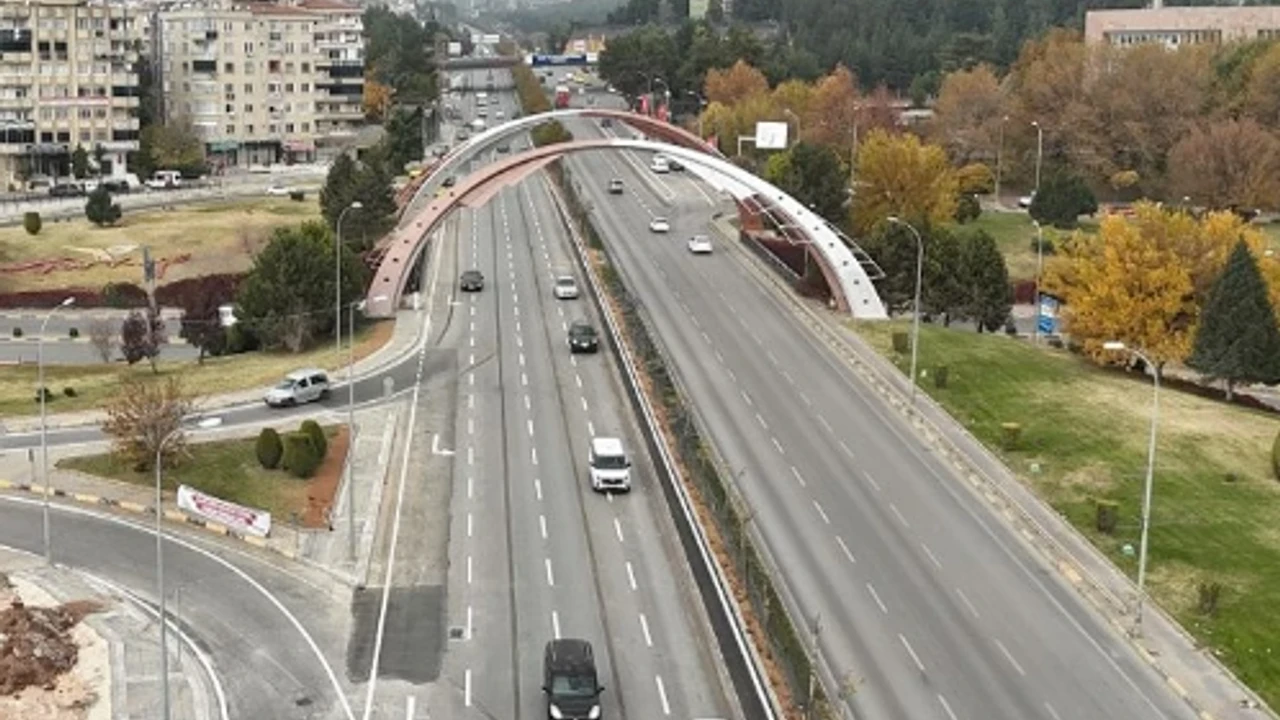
(177,516)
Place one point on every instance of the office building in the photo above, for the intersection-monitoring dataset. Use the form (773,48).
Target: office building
(1178,26)
(67,79)
(262,82)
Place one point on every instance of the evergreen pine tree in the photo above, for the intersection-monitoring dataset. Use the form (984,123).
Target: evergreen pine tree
(1238,339)
(990,296)
(339,189)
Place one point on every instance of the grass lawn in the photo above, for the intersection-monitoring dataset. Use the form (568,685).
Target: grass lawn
(95,383)
(1086,428)
(219,236)
(1014,234)
(227,469)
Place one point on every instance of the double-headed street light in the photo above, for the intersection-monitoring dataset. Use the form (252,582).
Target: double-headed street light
(1039,150)
(44,430)
(1117,346)
(164,618)
(915,323)
(337,269)
(351,420)
(787,111)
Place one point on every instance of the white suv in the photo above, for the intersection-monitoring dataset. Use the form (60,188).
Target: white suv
(566,288)
(609,465)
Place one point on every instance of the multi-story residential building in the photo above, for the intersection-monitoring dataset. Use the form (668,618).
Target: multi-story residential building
(261,82)
(67,80)
(1177,26)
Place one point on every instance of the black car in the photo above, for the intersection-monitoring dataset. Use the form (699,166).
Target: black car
(450,181)
(471,281)
(674,164)
(115,186)
(66,190)
(504,148)
(615,186)
(583,338)
(606,122)
(569,680)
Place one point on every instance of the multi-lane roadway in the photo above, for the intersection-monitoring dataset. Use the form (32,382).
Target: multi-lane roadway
(925,601)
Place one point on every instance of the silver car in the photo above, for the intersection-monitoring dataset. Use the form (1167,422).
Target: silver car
(298,388)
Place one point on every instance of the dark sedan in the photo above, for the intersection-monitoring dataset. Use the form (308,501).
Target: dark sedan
(583,338)
(471,281)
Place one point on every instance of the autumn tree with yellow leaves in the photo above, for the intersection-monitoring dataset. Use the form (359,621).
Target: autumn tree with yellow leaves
(899,175)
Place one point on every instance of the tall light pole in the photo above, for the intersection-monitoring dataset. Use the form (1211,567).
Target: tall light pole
(337,273)
(1039,151)
(1035,332)
(1116,345)
(1000,157)
(653,104)
(44,430)
(351,420)
(787,111)
(164,618)
(915,323)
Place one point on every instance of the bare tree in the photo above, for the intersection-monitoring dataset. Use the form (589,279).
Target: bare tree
(102,335)
(142,414)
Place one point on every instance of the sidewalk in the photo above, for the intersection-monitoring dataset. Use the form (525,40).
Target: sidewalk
(1192,672)
(404,338)
(119,656)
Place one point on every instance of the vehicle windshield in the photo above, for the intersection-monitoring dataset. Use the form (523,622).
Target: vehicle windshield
(659,221)
(611,462)
(584,330)
(573,686)
(285,384)
(565,282)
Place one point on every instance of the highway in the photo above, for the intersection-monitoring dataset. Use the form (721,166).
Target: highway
(928,602)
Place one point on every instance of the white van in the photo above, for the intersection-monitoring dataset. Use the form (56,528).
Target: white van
(609,465)
(660,164)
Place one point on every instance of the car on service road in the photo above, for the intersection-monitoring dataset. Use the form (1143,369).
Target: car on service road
(565,288)
(471,281)
(298,388)
(700,245)
(659,225)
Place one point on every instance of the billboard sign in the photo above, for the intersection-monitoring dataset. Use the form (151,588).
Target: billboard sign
(538,60)
(771,135)
(490,39)
(239,518)
(1047,314)
(455,49)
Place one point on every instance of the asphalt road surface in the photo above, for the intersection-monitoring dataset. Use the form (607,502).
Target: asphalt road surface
(924,598)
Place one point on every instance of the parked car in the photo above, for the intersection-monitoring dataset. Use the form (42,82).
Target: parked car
(471,281)
(67,189)
(700,245)
(566,288)
(659,225)
(298,388)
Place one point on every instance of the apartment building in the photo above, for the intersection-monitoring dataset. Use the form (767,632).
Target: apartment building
(262,82)
(1178,26)
(66,80)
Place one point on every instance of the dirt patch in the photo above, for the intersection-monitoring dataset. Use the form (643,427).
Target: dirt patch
(39,646)
(324,484)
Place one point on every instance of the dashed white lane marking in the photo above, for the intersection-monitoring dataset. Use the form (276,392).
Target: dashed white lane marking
(778,445)
(410,707)
(468,569)
(946,708)
(551,578)
(518,327)
(537,489)
(1009,656)
(471,379)
(617,528)
(1052,713)
(846,449)
(533,455)
(746,397)
(911,651)
(519,341)
(470,622)
(473,326)
(772,358)
(871,480)
(471,359)
(584,404)
(788,377)
(521,359)
(876,596)
(821,513)
(573,360)
(564,326)
(845,549)
(555,625)
(706,338)
(471,455)
(472,342)
(471,426)
(662,695)
(473,311)
(732,376)
(719,357)
(933,558)
(644,627)
(471,401)
(631,575)
(466,688)
(760,419)
(825,424)
(964,599)
(470,486)
(591,431)
(578,379)
(527,404)
(524,379)
(798,476)
(529,425)
(894,508)
(806,399)
(542,526)
(469,523)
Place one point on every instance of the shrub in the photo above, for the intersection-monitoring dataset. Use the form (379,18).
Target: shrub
(100,210)
(297,195)
(1210,593)
(74,332)
(1106,516)
(240,340)
(901,343)
(17,332)
(69,391)
(1010,433)
(1044,246)
(48,396)
(269,449)
(31,222)
(1275,457)
(976,178)
(123,295)
(299,456)
(967,208)
(316,433)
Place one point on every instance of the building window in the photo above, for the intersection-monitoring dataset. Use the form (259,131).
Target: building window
(288,127)
(273,66)
(306,67)
(248,87)
(288,87)
(229,67)
(248,67)
(306,127)
(231,129)
(248,129)
(273,128)
(248,107)
(228,88)
(305,87)
(288,67)
(230,109)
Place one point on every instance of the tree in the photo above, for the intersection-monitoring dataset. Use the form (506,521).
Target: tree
(376,99)
(813,175)
(339,188)
(100,210)
(968,208)
(404,139)
(31,222)
(102,336)
(1238,339)
(202,324)
(268,448)
(367,182)
(899,175)
(1061,200)
(968,115)
(715,11)
(80,162)
(141,337)
(549,133)
(736,84)
(1227,164)
(174,146)
(142,415)
(287,298)
(988,294)
(630,60)
(834,110)
(1261,92)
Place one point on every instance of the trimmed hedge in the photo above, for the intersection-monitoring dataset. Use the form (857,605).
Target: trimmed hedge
(269,449)
(300,457)
(318,441)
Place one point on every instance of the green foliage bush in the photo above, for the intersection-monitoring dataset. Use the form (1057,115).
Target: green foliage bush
(316,433)
(73,333)
(100,210)
(300,457)
(48,395)
(1275,457)
(17,332)
(31,222)
(967,208)
(69,391)
(269,449)
(1061,200)
(240,340)
(1106,516)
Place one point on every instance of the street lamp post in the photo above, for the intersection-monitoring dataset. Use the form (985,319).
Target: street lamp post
(1035,332)
(1149,482)
(1000,157)
(337,271)
(915,323)
(164,618)
(44,430)
(1039,151)
(787,111)
(351,421)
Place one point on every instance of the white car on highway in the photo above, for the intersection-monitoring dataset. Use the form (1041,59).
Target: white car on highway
(700,245)
(659,225)
(278,190)
(566,288)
